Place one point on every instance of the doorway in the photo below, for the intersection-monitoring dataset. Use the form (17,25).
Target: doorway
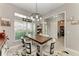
(60,28)
(61,31)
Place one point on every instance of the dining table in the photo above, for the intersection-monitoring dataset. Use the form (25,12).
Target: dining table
(40,41)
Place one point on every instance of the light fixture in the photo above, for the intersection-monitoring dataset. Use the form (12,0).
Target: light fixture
(33,17)
(36,16)
(6,19)
(19,15)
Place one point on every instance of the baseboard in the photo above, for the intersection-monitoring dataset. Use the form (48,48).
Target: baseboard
(73,52)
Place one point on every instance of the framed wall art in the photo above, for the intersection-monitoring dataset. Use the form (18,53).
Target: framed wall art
(5,22)
(75,22)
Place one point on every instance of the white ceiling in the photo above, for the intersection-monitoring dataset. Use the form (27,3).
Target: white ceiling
(43,8)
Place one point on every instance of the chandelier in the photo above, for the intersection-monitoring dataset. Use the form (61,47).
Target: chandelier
(36,16)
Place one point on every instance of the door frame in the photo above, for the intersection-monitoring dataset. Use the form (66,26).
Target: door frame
(65,39)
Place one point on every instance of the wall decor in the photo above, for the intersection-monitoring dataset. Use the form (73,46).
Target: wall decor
(5,22)
(74,22)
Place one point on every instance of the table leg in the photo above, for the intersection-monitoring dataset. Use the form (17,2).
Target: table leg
(40,50)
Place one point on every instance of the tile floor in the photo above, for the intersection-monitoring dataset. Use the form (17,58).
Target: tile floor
(59,45)
(17,49)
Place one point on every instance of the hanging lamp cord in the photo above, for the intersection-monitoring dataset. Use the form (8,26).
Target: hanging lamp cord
(36,7)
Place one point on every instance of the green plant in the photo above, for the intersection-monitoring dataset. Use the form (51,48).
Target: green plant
(20,33)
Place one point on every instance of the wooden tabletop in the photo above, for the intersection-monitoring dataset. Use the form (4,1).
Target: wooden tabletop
(40,39)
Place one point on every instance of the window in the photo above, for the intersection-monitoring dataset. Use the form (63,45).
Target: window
(23,28)
(30,28)
(20,29)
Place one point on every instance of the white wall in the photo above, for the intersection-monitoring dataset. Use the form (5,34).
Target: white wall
(48,27)
(71,31)
(52,27)
(7,11)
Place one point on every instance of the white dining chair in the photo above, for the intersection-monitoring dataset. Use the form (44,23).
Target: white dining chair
(30,49)
(49,48)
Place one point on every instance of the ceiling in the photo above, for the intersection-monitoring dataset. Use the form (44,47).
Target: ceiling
(43,8)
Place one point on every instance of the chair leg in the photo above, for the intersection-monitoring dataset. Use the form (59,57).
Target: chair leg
(23,45)
(51,48)
(38,50)
(28,48)
(0,52)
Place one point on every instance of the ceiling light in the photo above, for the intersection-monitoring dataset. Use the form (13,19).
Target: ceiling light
(36,16)
(38,19)
(32,18)
(5,19)
(19,15)
(28,18)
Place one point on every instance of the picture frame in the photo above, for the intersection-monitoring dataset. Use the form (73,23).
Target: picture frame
(5,22)
(75,22)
